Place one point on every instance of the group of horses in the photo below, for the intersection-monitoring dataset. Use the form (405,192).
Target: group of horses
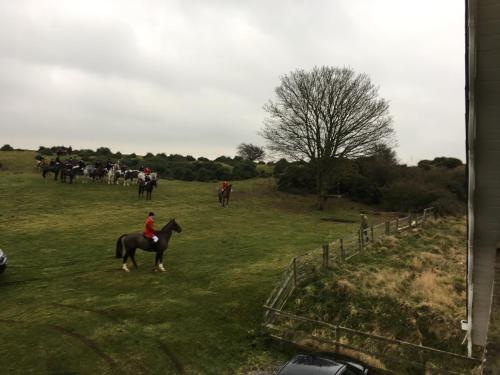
(68,170)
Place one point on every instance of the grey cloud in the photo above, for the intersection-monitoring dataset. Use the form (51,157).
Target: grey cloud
(195,74)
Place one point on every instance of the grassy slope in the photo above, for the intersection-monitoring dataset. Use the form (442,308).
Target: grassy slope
(194,318)
(410,287)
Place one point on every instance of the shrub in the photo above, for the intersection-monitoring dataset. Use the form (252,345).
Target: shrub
(244,170)
(445,162)
(449,205)
(104,151)
(204,174)
(280,167)
(364,190)
(410,195)
(7,147)
(297,178)
(45,150)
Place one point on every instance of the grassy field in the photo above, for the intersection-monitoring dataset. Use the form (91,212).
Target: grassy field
(67,308)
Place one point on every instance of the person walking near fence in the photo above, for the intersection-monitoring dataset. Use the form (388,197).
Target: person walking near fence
(364,226)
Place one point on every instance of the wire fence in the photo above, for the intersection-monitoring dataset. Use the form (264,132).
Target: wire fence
(399,354)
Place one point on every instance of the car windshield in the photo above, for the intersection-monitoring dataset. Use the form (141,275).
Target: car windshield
(311,365)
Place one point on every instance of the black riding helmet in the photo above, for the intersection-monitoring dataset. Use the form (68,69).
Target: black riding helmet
(151,214)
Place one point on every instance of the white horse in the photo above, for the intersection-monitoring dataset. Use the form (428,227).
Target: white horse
(113,173)
(153,176)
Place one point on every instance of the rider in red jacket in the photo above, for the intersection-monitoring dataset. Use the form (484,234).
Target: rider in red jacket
(149,230)
(224,186)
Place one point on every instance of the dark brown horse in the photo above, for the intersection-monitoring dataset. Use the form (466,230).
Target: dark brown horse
(134,241)
(146,186)
(52,167)
(225,195)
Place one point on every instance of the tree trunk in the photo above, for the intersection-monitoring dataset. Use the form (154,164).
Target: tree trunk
(320,188)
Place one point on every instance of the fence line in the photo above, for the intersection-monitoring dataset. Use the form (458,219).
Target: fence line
(392,350)
(302,265)
(282,324)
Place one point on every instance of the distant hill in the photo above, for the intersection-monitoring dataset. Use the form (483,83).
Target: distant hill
(18,161)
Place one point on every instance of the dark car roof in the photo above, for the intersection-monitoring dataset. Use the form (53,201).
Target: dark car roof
(304,364)
(318,364)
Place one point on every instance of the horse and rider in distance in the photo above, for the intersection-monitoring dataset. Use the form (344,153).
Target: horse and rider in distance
(225,193)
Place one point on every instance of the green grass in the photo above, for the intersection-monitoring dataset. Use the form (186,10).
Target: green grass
(67,308)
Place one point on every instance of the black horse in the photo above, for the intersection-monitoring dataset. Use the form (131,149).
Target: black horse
(53,168)
(225,195)
(71,171)
(98,173)
(146,186)
(133,241)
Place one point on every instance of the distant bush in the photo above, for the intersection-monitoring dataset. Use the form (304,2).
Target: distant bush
(45,150)
(7,147)
(279,167)
(379,180)
(407,195)
(244,170)
(204,174)
(440,162)
(297,178)
(104,151)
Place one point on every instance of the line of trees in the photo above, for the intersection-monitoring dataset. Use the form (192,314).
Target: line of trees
(173,166)
(379,180)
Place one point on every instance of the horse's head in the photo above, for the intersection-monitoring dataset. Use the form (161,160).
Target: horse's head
(176,226)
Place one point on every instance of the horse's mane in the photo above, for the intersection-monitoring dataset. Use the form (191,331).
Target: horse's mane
(166,225)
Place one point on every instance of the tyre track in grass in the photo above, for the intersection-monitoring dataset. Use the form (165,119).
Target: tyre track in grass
(84,340)
(165,348)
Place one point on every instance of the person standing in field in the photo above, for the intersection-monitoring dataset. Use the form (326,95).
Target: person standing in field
(149,230)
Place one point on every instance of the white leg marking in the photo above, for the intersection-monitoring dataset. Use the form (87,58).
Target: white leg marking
(125,268)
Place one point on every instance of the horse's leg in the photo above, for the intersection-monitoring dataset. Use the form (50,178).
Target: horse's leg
(125,258)
(132,256)
(157,260)
(160,266)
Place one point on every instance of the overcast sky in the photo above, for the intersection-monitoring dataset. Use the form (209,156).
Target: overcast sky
(191,76)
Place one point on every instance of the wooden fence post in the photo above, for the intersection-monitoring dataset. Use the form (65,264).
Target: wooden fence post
(342,251)
(361,239)
(336,339)
(387,227)
(371,232)
(397,224)
(325,256)
(295,272)
(425,211)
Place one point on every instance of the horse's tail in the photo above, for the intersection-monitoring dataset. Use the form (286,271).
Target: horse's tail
(119,246)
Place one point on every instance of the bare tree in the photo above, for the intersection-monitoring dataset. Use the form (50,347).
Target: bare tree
(251,152)
(325,114)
